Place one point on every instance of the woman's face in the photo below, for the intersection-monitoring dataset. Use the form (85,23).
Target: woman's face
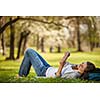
(82,67)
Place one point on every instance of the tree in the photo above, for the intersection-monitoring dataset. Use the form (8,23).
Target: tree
(12,39)
(97,20)
(42,27)
(2,29)
(3,43)
(19,45)
(2,22)
(42,44)
(38,42)
(78,34)
(23,37)
(92,32)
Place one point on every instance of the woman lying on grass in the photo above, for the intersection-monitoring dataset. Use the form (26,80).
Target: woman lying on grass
(42,68)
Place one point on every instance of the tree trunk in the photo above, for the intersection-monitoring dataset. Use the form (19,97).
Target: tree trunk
(78,35)
(3,43)
(12,38)
(23,36)
(2,22)
(42,44)
(37,46)
(59,49)
(19,46)
(51,49)
(24,44)
(91,36)
(92,45)
(34,40)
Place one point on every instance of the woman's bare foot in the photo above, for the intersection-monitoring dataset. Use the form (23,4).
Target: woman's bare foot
(17,76)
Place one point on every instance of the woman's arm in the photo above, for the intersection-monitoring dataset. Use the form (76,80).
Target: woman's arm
(62,62)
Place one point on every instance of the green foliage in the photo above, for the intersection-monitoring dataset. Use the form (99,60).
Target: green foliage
(9,69)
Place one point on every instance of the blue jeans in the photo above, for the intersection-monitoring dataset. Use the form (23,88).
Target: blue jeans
(33,58)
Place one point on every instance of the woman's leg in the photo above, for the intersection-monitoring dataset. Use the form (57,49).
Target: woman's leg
(25,66)
(39,64)
(43,60)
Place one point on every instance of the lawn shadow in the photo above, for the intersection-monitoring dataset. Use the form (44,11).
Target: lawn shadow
(2,60)
(3,69)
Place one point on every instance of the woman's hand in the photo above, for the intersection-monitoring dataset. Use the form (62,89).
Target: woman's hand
(63,60)
(57,74)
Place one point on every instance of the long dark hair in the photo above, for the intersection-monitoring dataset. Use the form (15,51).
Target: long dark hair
(90,67)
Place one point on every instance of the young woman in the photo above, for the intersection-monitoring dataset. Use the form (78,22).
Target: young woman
(42,68)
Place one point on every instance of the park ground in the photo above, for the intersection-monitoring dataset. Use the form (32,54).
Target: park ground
(9,69)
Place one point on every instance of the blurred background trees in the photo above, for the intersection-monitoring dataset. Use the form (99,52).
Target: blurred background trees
(53,32)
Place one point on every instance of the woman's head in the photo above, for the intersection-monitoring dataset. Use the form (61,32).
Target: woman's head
(86,67)
(90,67)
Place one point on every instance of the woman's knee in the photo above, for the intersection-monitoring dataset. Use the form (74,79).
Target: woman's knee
(29,50)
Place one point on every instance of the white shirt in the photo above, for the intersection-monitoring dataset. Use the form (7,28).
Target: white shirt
(67,72)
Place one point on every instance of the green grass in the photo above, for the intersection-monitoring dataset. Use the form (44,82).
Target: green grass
(9,69)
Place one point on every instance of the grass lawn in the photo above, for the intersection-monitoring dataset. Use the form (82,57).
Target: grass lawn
(9,69)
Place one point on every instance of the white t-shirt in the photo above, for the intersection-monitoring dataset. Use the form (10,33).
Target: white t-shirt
(67,72)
